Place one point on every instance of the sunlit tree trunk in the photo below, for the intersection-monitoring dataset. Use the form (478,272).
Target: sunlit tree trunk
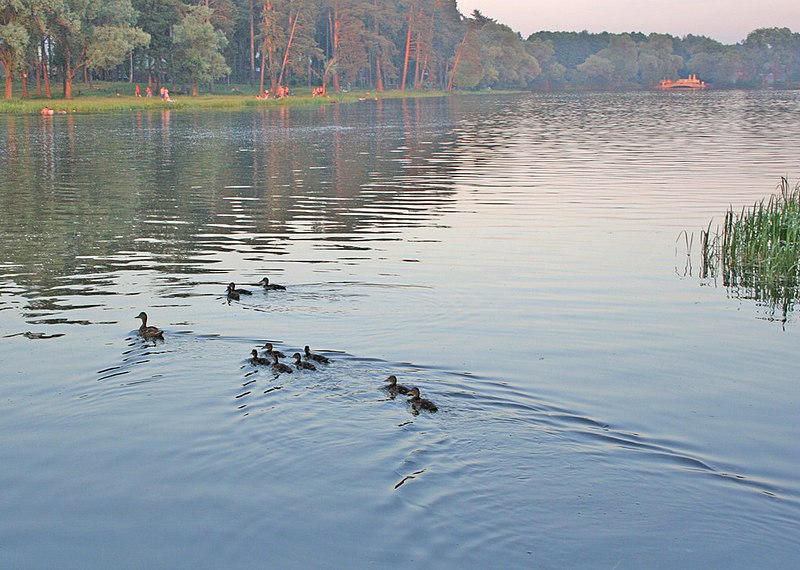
(9,84)
(458,59)
(408,48)
(288,47)
(336,27)
(68,76)
(267,47)
(417,61)
(7,60)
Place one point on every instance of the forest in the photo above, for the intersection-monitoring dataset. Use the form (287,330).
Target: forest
(353,44)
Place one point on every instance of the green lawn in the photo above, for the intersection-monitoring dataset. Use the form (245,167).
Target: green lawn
(119,97)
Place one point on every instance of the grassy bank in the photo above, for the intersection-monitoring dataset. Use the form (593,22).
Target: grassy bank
(119,97)
(757,249)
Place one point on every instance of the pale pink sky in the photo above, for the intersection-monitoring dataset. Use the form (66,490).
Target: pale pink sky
(728,21)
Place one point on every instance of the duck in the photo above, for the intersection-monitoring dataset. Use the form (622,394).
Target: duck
(234,293)
(301,364)
(256,359)
(269,351)
(318,357)
(271,286)
(279,366)
(395,388)
(420,403)
(149,331)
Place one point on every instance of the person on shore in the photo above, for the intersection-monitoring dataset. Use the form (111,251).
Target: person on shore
(149,91)
(138,91)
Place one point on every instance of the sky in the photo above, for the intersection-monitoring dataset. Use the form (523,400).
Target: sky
(728,21)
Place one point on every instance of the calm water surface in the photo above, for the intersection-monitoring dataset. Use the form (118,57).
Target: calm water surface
(517,258)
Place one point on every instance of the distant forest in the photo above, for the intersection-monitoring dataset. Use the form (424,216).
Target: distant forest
(354,44)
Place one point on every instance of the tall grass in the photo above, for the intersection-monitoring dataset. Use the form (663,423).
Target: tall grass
(757,250)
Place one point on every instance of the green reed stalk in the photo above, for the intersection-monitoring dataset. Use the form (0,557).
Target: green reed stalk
(758,248)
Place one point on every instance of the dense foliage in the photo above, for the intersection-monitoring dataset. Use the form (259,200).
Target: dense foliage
(341,44)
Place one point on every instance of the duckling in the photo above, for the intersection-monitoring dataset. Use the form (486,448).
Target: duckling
(279,366)
(149,332)
(421,403)
(270,352)
(256,359)
(271,286)
(302,364)
(395,388)
(318,357)
(234,293)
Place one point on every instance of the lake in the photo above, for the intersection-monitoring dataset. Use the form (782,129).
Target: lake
(521,259)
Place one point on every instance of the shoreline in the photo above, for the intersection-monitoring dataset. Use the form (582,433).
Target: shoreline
(112,103)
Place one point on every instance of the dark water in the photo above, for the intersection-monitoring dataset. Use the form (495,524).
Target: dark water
(517,258)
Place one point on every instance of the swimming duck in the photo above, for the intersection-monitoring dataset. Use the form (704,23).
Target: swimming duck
(318,357)
(149,332)
(256,359)
(395,388)
(302,364)
(270,352)
(234,293)
(421,403)
(279,366)
(271,286)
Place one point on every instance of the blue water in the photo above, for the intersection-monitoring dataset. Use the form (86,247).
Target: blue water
(519,259)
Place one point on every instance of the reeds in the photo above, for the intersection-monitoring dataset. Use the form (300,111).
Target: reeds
(757,251)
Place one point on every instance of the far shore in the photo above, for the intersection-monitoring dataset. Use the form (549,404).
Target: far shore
(120,98)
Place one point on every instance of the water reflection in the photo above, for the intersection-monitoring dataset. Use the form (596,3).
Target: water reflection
(508,256)
(168,191)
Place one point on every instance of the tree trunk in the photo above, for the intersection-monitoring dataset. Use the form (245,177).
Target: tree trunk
(25,81)
(68,73)
(252,44)
(336,28)
(6,60)
(38,68)
(46,71)
(194,87)
(378,74)
(458,58)
(267,53)
(417,58)
(378,66)
(288,47)
(263,66)
(408,48)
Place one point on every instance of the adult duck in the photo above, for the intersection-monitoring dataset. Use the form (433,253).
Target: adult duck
(149,331)
(302,364)
(279,366)
(395,388)
(318,357)
(257,360)
(420,403)
(271,286)
(234,293)
(269,351)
